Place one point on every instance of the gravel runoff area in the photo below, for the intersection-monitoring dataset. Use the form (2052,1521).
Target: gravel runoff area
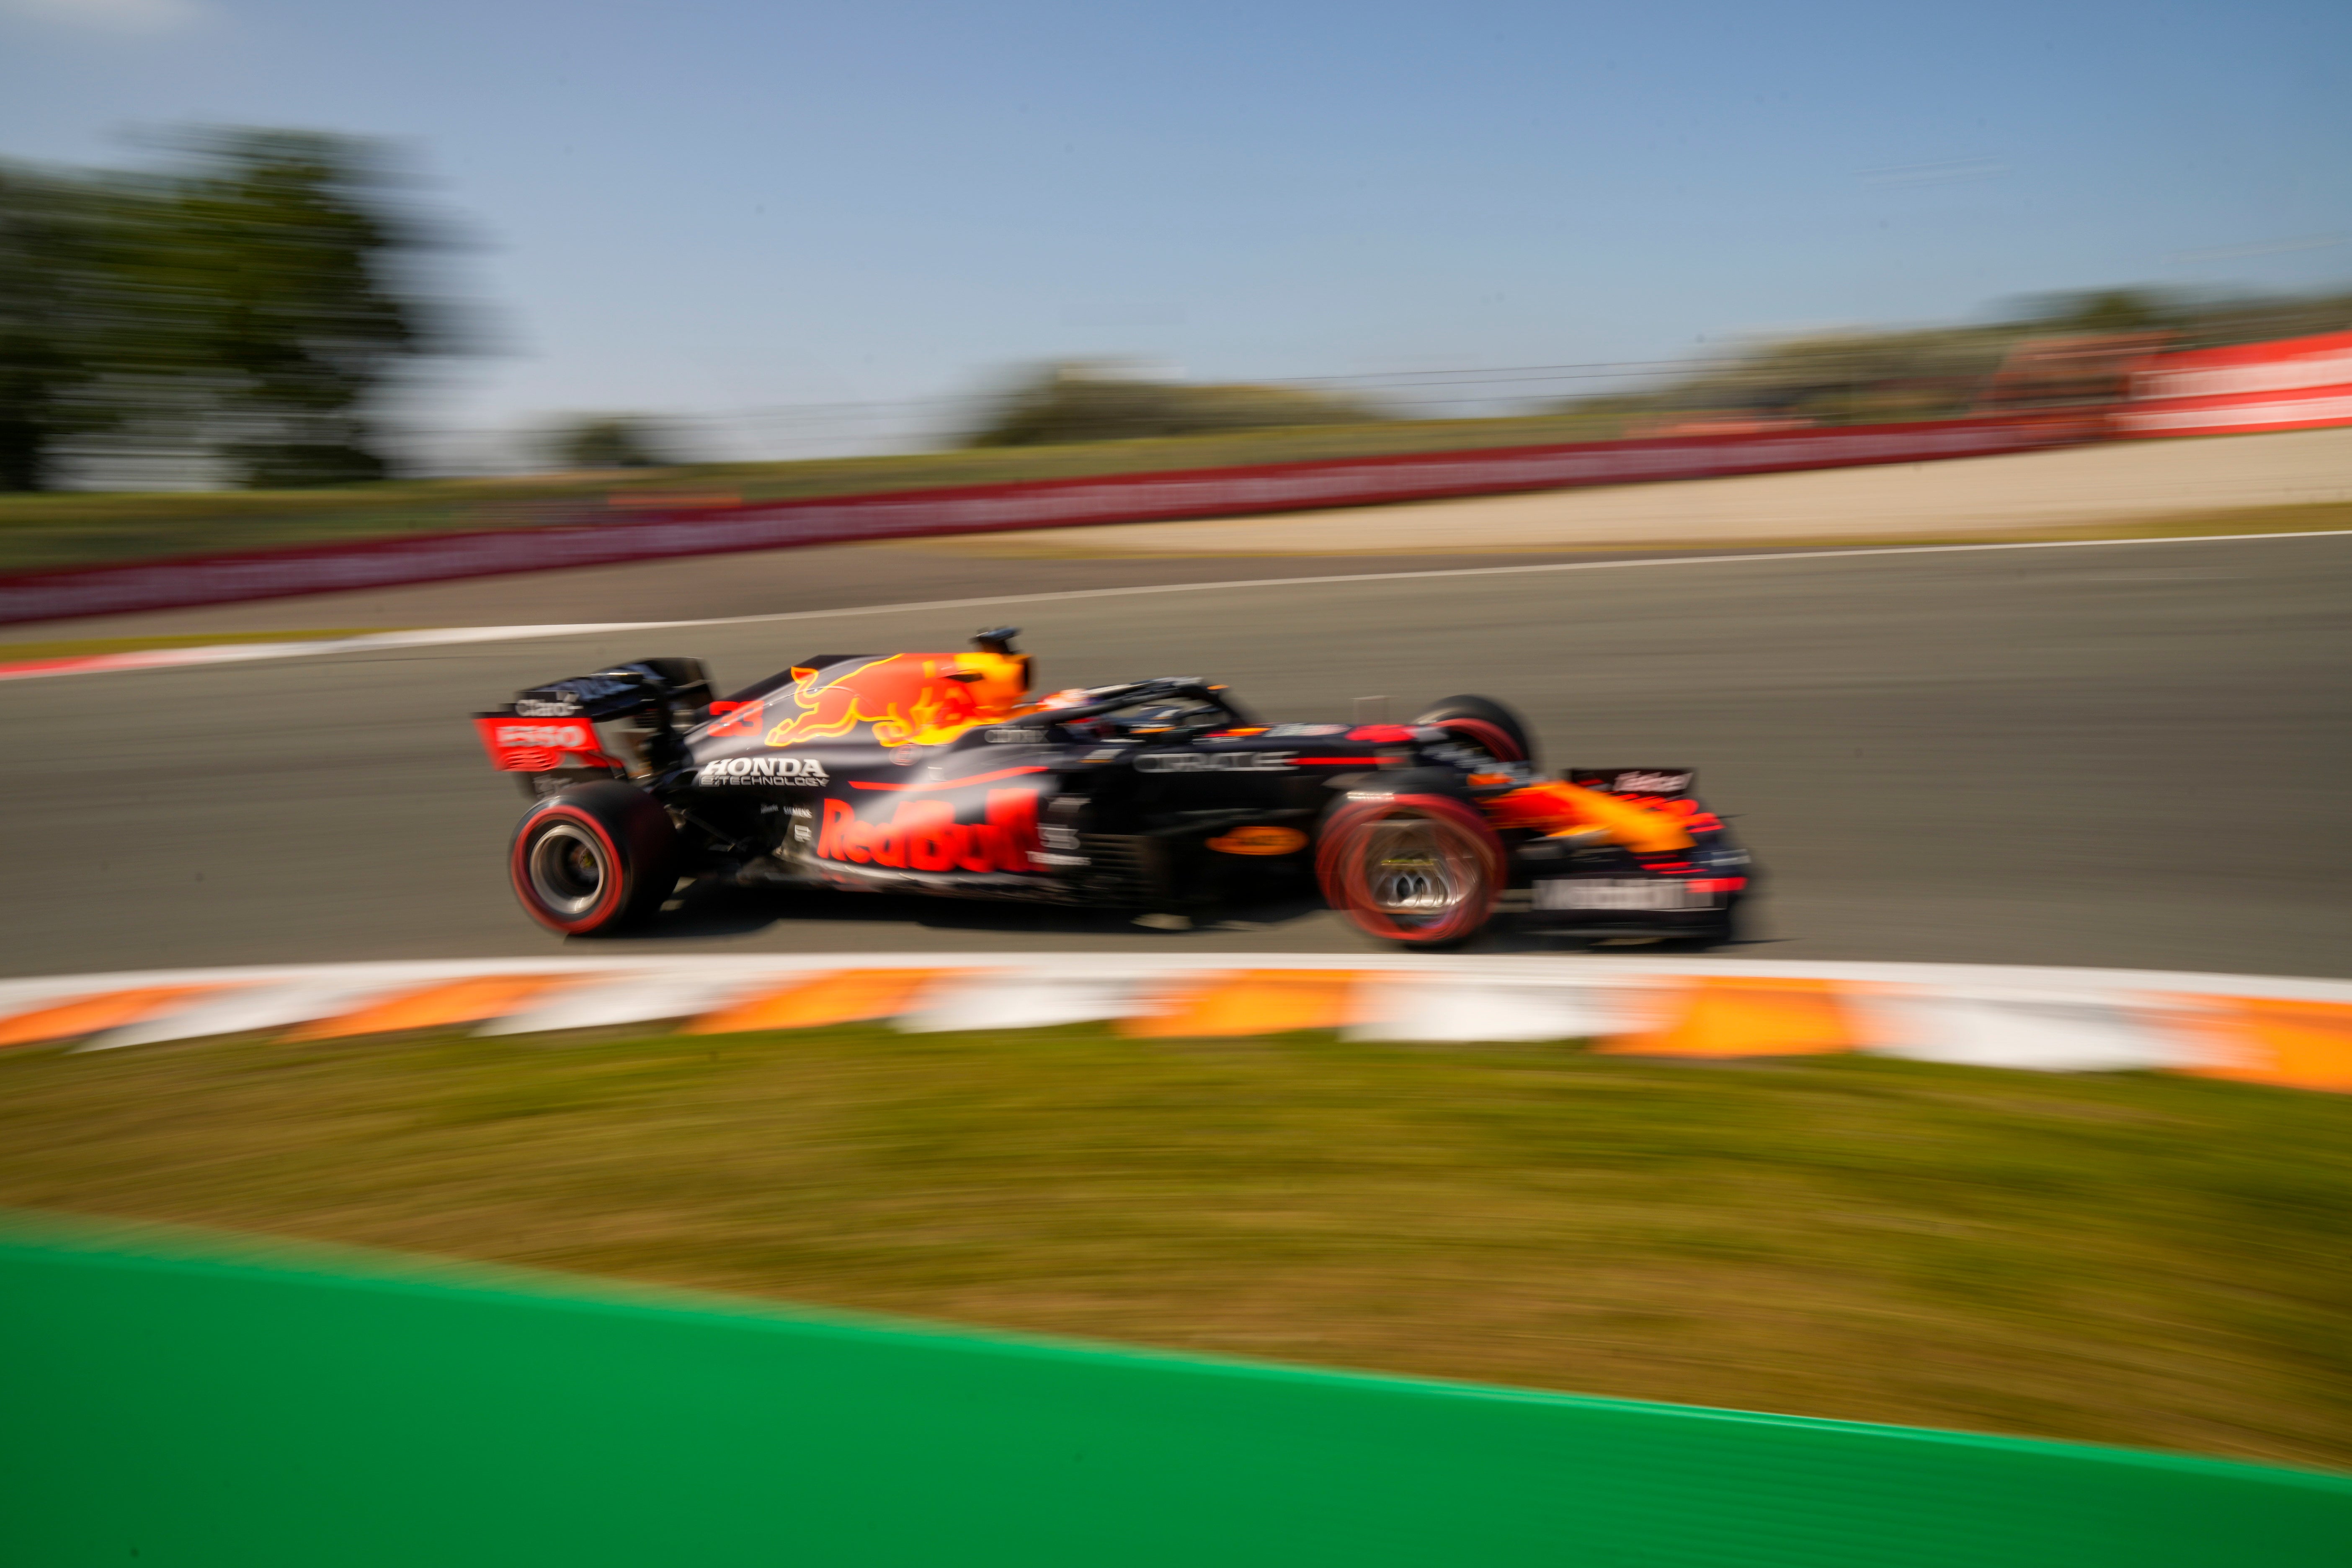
(2072,487)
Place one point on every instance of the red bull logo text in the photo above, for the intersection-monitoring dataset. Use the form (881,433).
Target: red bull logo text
(909,698)
(924,835)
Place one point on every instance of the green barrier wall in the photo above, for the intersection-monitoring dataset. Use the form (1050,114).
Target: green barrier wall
(164,1404)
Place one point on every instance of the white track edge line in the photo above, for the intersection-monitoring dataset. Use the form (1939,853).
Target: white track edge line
(2010,980)
(229,653)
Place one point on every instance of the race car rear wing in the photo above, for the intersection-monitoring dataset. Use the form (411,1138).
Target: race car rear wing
(623,691)
(519,745)
(551,729)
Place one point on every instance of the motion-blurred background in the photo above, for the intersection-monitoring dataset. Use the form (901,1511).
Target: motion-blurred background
(285,274)
(493,240)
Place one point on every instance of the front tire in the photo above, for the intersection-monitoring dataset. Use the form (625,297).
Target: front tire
(1424,871)
(1483,722)
(593,859)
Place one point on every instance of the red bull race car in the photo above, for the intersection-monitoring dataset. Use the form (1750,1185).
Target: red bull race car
(942,773)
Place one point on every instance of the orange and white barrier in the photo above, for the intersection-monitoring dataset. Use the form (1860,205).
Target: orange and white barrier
(2291,1032)
(2292,384)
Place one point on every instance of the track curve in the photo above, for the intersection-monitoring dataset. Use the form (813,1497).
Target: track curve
(2105,757)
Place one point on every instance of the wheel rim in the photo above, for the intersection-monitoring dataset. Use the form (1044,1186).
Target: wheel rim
(568,870)
(1417,874)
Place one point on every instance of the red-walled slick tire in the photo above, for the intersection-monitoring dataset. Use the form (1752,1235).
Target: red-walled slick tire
(1484,723)
(1422,870)
(593,859)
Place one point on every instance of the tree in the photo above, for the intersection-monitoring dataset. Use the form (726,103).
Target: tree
(2106,311)
(1082,402)
(277,259)
(246,307)
(611,441)
(52,315)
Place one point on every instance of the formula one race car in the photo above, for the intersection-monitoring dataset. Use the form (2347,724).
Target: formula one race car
(937,773)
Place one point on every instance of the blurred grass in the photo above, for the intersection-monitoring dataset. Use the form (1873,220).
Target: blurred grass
(58,528)
(2120,1259)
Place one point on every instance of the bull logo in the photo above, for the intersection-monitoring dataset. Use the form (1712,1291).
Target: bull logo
(909,698)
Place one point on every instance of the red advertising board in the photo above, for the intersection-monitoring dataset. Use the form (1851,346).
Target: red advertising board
(2292,384)
(983,509)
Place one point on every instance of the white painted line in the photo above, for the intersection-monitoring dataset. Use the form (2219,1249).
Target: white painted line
(237,653)
(1018,1000)
(2046,1020)
(628,998)
(1438,1008)
(2025,981)
(229,653)
(2041,1036)
(251,1008)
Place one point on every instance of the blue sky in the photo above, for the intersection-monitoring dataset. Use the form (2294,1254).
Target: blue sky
(710,209)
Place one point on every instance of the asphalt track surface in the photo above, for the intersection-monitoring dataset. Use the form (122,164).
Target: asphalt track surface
(2127,755)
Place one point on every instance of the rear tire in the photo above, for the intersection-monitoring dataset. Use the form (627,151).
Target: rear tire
(593,859)
(1424,871)
(1486,723)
